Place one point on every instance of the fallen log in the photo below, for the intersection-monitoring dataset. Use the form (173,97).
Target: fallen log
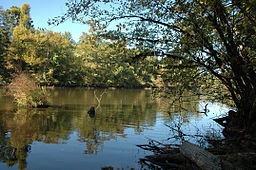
(202,158)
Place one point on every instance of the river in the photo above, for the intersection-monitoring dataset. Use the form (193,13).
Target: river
(67,137)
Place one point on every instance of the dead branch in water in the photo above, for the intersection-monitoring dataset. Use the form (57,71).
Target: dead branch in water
(99,98)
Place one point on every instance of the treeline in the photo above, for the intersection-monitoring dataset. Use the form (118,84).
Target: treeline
(56,59)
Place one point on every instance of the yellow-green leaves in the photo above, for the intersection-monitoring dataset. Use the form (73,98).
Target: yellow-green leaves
(26,91)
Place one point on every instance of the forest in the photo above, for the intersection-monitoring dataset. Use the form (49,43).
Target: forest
(99,59)
(55,59)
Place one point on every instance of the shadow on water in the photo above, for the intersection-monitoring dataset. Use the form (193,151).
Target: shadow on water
(119,112)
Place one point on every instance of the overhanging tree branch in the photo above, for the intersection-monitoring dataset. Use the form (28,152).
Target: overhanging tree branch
(176,28)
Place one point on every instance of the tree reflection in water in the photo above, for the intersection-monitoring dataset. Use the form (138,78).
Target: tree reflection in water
(119,109)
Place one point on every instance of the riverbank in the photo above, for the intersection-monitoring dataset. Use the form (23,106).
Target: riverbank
(237,150)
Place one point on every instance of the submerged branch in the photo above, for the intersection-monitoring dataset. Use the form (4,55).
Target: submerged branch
(100,97)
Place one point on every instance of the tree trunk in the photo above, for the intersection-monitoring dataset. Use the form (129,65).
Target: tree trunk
(201,157)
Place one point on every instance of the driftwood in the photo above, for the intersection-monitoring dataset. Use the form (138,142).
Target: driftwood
(188,156)
(200,157)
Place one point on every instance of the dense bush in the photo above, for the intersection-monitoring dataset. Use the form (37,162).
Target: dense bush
(26,91)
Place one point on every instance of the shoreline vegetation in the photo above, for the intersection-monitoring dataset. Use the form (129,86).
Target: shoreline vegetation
(235,146)
(206,54)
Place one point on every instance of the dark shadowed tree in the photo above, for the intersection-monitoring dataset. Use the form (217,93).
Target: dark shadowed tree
(218,35)
(8,20)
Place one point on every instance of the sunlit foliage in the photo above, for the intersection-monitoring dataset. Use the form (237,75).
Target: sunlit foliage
(217,35)
(108,63)
(56,59)
(26,91)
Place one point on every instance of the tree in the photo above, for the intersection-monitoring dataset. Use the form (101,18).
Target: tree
(19,55)
(8,20)
(25,19)
(46,55)
(217,35)
(106,63)
(62,68)
(11,21)
(4,42)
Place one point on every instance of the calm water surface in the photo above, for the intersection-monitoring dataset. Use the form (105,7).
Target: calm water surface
(66,137)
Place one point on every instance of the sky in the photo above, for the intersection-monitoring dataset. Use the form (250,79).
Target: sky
(42,10)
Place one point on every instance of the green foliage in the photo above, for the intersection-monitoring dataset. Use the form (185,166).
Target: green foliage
(25,19)
(26,91)
(47,56)
(4,43)
(21,50)
(55,59)
(61,66)
(217,35)
(108,63)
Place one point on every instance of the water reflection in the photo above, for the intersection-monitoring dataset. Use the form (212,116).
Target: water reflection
(117,112)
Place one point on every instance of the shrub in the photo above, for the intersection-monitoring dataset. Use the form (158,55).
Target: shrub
(26,91)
